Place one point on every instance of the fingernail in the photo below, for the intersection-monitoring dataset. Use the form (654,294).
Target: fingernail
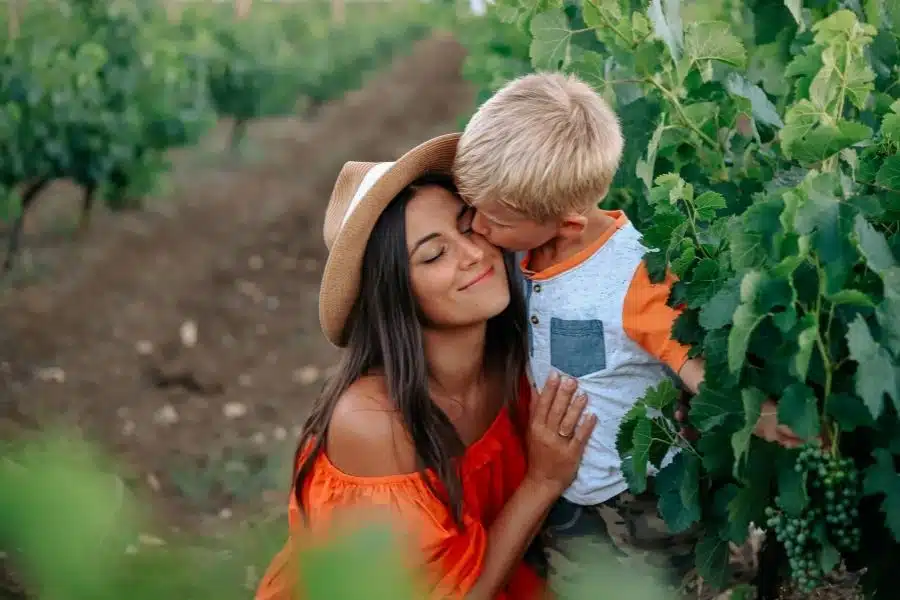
(569,383)
(554,377)
(582,397)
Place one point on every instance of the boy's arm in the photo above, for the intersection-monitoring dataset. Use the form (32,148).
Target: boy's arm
(692,373)
(647,319)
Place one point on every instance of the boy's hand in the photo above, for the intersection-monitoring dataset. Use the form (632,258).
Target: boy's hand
(768,428)
(681,417)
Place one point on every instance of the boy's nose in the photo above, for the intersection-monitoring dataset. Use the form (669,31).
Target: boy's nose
(480,225)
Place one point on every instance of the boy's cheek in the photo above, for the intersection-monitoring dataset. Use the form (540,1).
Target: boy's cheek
(507,242)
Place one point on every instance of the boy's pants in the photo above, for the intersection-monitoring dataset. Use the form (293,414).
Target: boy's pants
(626,528)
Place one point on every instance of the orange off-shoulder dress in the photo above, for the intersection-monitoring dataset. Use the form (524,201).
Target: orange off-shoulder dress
(491,470)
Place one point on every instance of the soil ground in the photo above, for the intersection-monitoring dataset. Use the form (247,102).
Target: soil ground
(184,338)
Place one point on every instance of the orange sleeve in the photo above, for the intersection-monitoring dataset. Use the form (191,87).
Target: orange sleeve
(648,320)
(452,559)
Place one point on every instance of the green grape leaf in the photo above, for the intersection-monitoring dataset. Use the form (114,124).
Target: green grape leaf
(763,109)
(799,122)
(712,563)
(719,310)
(849,412)
(667,24)
(829,558)
(888,176)
(746,320)
(890,126)
(551,38)
(850,297)
(642,441)
(750,235)
(744,508)
(796,9)
(882,478)
(704,282)
(715,450)
(791,484)
(713,40)
(825,141)
(875,373)
(873,245)
(798,409)
(710,408)
(708,204)
(625,434)
(888,312)
(806,341)
(678,487)
(753,400)
(661,396)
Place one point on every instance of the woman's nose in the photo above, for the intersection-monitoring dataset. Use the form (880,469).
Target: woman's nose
(471,252)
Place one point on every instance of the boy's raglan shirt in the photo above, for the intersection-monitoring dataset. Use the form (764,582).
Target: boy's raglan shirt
(597,317)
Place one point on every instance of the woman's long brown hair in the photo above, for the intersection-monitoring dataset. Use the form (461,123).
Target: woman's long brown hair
(384,332)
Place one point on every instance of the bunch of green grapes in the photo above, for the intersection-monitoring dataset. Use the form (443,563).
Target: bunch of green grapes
(833,486)
(800,545)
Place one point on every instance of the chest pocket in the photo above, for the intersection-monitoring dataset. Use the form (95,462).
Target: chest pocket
(577,347)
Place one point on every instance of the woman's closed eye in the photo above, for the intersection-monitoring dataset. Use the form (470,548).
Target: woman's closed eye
(434,255)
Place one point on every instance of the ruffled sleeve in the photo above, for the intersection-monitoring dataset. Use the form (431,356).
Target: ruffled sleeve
(453,558)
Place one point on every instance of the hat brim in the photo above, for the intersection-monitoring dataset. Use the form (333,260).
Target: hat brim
(343,269)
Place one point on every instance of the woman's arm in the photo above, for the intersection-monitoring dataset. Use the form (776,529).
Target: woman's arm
(366,439)
(557,436)
(510,535)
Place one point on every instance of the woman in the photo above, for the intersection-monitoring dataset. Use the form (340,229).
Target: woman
(428,415)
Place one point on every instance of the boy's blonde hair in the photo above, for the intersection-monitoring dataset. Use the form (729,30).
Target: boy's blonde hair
(545,144)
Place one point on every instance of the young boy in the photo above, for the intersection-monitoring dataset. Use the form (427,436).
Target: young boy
(535,161)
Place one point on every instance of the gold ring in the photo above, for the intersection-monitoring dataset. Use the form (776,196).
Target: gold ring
(565,435)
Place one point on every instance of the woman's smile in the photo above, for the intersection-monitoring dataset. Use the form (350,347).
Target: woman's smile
(486,274)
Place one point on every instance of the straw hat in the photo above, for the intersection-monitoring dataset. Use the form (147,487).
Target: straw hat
(361,193)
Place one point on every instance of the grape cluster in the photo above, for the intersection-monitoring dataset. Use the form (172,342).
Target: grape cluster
(832,510)
(801,547)
(835,488)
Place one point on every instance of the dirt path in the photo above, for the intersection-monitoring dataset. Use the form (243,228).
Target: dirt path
(186,338)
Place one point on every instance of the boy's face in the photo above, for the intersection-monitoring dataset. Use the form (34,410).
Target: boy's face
(509,229)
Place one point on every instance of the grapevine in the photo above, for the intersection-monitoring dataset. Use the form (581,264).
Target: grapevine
(98,92)
(762,166)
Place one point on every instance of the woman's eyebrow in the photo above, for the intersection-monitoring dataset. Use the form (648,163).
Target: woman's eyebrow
(423,240)
(427,238)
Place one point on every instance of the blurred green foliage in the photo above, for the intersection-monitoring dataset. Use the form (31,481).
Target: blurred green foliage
(75,532)
(98,91)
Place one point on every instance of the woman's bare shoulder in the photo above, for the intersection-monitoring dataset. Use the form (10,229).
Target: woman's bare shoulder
(366,436)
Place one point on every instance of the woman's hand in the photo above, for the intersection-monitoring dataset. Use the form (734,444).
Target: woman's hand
(557,435)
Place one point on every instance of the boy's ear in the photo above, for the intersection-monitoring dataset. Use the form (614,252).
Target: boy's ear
(572,224)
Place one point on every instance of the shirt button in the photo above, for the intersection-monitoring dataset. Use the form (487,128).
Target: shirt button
(534,319)
(537,287)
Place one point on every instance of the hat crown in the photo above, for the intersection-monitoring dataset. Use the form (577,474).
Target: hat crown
(354,180)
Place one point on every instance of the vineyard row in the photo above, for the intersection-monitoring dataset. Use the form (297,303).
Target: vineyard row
(98,91)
